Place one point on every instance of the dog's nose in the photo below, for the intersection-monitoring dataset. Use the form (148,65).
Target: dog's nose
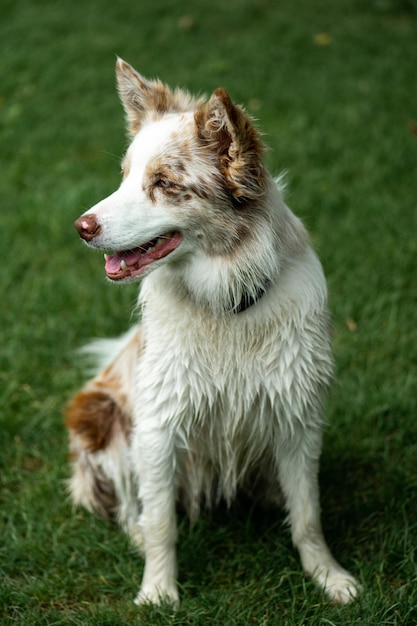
(87,226)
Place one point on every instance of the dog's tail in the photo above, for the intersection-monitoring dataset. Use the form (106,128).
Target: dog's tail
(99,420)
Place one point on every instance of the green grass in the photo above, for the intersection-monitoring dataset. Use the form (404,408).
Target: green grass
(340,115)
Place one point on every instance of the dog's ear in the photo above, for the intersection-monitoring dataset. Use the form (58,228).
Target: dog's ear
(140,96)
(137,94)
(230,131)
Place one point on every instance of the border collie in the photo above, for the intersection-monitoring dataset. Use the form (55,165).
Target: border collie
(220,387)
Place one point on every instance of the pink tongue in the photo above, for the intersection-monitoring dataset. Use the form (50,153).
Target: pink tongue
(138,258)
(130,257)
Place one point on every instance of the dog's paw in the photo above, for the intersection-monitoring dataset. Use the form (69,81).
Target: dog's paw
(156,595)
(340,586)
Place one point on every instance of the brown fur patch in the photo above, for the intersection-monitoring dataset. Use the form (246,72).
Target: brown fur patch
(94,416)
(228,130)
(167,176)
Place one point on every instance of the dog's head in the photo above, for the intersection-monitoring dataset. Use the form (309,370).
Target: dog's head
(192,176)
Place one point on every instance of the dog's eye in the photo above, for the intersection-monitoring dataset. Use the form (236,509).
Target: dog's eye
(164,183)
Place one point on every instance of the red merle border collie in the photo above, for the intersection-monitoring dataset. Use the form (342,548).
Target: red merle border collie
(220,386)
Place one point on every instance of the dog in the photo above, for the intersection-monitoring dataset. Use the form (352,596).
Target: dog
(219,389)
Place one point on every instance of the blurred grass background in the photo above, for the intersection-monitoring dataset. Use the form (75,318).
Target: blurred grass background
(334,87)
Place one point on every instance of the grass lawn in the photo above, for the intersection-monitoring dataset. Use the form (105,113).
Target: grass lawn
(334,85)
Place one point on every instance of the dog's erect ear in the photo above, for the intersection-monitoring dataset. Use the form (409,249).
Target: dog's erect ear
(137,94)
(140,96)
(230,131)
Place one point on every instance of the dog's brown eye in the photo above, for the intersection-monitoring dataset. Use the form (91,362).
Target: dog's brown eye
(164,183)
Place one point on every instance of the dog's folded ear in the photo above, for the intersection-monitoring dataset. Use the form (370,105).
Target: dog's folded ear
(141,96)
(230,131)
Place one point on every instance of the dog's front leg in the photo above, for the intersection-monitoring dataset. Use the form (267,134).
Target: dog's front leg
(298,473)
(154,462)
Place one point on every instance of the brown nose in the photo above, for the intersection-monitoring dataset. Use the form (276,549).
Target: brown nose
(87,226)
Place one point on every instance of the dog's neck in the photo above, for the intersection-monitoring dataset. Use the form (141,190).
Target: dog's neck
(249,300)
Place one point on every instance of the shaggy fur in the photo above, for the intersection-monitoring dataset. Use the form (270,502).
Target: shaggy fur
(205,396)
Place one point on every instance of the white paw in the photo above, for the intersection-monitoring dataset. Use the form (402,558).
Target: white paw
(156,595)
(340,586)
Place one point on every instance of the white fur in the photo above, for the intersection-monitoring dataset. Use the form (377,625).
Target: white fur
(219,397)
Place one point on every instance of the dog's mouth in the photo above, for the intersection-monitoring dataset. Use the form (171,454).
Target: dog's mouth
(132,263)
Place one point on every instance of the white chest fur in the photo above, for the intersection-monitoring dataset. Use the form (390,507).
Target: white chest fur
(234,387)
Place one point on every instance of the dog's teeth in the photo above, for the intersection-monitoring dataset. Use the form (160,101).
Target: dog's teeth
(123,265)
(106,256)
